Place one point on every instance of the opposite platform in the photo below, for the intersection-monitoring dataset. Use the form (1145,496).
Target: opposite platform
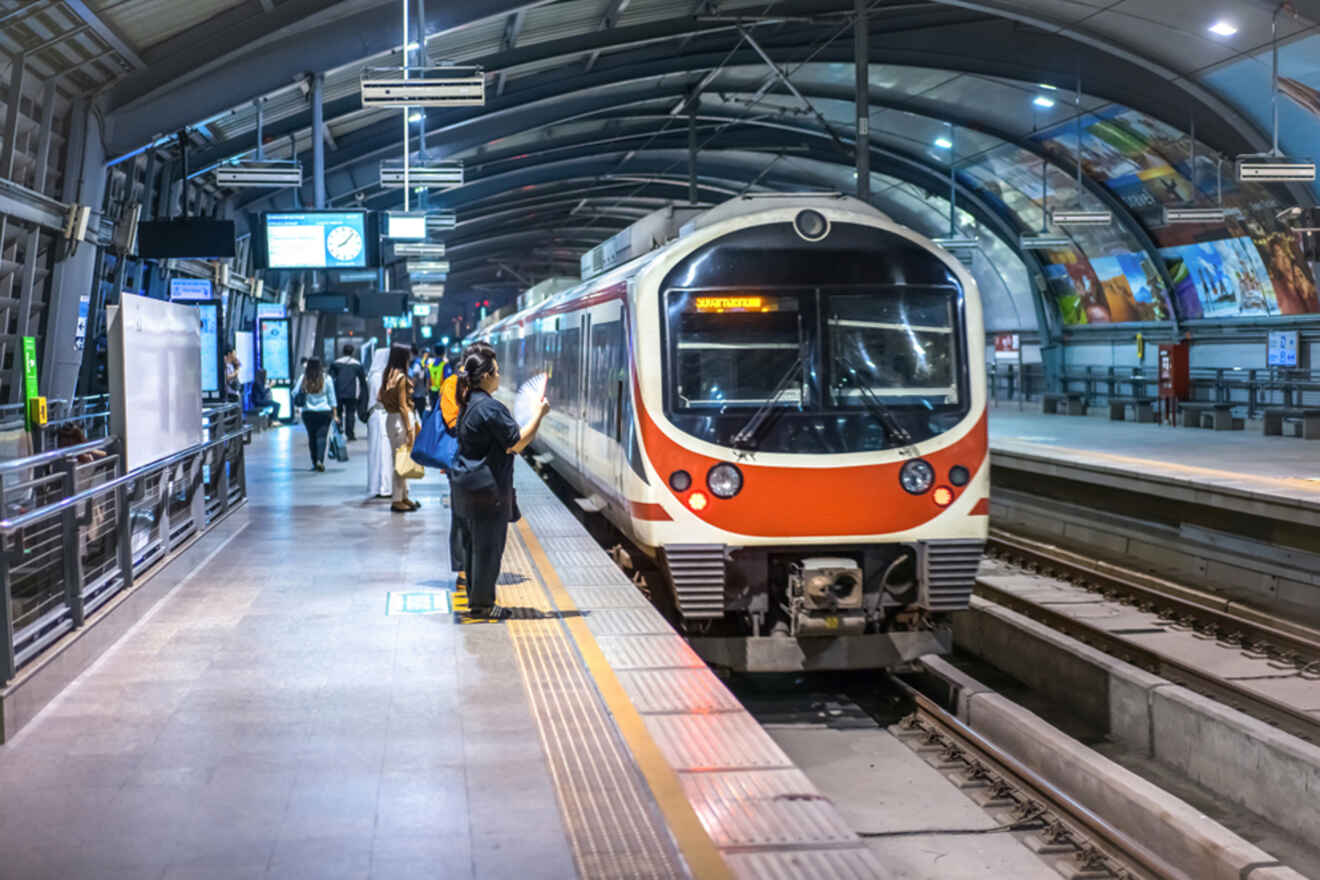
(1273,477)
(305,705)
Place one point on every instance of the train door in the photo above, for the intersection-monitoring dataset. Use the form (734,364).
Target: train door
(602,340)
(581,374)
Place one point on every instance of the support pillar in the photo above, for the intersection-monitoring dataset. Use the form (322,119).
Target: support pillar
(318,140)
(861,63)
(692,102)
(11,117)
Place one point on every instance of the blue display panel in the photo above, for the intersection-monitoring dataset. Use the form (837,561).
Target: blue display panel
(270,310)
(1283,347)
(275,350)
(315,240)
(190,289)
(210,313)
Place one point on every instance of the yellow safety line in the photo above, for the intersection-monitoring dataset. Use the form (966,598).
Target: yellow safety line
(1290,482)
(702,856)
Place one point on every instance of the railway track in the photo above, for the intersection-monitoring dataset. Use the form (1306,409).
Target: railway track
(1063,832)
(1292,648)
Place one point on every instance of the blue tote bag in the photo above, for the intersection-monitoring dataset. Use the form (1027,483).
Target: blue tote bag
(435,447)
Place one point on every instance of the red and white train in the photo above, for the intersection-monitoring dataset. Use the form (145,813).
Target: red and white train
(785,407)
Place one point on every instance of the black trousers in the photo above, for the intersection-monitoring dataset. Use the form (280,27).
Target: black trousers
(318,432)
(348,416)
(487,530)
(458,536)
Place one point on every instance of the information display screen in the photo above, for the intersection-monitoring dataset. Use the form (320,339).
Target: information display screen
(318,240)
(210,313)
(269,310)
(190,289)
(405,227)
(275,349)
(1283,346)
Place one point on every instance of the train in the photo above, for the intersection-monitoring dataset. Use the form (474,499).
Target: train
(782,407)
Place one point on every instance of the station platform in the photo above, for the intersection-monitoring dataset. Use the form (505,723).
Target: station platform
(1243,471)
(306,703)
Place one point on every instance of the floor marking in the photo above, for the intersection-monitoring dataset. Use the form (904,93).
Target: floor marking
(703,857)
(417,602)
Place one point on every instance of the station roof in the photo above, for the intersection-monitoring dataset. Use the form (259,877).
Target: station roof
(585,127)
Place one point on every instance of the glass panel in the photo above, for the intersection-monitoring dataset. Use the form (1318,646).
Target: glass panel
(896,346)
(733,349)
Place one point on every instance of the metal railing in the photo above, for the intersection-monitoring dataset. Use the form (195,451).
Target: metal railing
(77,530)
(1251,389)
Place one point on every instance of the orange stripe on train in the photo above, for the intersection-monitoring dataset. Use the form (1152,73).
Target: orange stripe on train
(802,502)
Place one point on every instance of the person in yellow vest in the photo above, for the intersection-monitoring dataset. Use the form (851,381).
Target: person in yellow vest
(435,363)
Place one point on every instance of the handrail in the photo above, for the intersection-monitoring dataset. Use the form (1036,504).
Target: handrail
(31,461)
(9,526)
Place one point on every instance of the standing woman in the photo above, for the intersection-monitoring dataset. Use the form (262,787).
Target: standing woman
(380,460)
(396,397)
(487,432)
(318,409)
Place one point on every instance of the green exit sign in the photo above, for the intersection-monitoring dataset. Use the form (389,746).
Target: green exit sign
(29,374)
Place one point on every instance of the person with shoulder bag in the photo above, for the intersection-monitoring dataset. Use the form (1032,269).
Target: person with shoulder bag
(481,478)
(315,394)
(396,398)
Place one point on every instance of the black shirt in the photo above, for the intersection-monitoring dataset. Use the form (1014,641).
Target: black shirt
(486,429)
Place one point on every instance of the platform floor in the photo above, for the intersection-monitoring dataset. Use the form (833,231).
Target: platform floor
(1242,462)
(281,714)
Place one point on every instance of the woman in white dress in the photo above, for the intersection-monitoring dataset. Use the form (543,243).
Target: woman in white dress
(380,457)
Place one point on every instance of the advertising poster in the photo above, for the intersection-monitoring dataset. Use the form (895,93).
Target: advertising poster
(1076,289)
(1131,287)
(1229,278)
(275,350)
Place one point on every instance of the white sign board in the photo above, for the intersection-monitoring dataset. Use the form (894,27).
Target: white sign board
(155,353)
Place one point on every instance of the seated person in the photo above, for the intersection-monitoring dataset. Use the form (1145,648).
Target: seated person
(262,402)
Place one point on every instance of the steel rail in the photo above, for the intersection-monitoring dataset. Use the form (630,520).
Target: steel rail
(1116,843)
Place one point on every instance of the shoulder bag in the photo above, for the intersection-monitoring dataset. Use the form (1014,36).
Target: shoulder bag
(471,475)
(435,446)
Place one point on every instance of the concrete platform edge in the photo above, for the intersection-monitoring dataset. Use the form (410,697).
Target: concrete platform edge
(1267,771)
(36,685)
(1168,825)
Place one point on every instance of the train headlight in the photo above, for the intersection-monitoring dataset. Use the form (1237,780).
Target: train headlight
(724,480)
(916,476)
(680,481)
(811,225)
(942,496)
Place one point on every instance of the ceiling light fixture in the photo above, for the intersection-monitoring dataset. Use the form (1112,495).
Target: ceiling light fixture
(1043,102)
(1223,28)
(943,143)
(415,117)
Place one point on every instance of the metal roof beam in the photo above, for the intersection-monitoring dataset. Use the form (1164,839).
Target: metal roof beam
(108,34)
(512,28)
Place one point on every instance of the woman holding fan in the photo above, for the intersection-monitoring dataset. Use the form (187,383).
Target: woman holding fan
(487,436)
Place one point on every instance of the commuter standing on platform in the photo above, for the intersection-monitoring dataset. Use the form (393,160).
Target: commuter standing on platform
(380,458)
(458,539)
(315,393)
(350,381)
(396,395)
(487,432)
(420,377)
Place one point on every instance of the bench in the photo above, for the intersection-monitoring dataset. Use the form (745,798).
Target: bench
(1309,419)
(1143,408)
(1074,403)
(1216,416)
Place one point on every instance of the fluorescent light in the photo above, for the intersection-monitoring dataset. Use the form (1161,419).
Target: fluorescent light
(1081,218)
(1044,242)
(1043,102)
(1193,215)
(1223,28)
(415,117)
(414,46)
(1275,171)
(943,143)
(1048,87)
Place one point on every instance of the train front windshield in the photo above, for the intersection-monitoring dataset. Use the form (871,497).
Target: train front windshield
(815,371)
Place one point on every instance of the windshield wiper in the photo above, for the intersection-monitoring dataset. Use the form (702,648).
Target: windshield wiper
(877,407)
(748,434)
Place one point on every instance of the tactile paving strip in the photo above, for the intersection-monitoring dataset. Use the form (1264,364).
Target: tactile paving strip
(648,652)
(770,808)
(613,826)
(854,863)
(627,622)
(715,742)
(677,690)
(608,597)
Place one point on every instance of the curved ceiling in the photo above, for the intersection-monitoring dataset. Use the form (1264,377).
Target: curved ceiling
(585,116)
